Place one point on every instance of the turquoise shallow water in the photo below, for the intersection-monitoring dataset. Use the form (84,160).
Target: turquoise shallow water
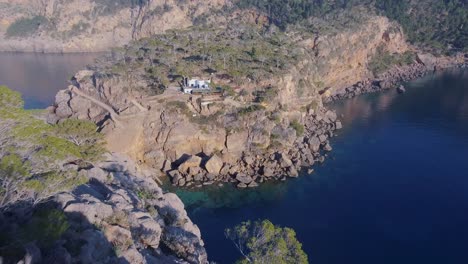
(394,190)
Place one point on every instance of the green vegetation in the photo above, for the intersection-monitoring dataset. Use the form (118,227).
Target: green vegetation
(237,55)
(298,127)
(24,27)
(250,109)
(34,154)
(438,25)
(384,60)
(110,7)
(43,228)
(263,242)
(433,24)
(283,12)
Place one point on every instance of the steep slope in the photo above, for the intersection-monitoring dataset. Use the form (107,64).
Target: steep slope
(91,25)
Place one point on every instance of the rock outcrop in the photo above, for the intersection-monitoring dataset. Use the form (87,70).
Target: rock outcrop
(122,216)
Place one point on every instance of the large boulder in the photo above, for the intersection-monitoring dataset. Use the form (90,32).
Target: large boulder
(243,178)
(314,144)
(184,245)
(285,161)
(192,161)
(214,165)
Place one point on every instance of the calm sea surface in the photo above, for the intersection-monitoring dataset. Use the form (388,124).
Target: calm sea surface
(394,189)
(39,76)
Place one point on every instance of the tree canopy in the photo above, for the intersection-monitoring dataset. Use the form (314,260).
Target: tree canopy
(434,24)
(34,155)
(263,242)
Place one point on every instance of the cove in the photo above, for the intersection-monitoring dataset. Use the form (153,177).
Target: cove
(393,190)
(38,77)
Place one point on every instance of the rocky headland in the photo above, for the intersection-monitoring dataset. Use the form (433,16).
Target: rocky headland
(269,124)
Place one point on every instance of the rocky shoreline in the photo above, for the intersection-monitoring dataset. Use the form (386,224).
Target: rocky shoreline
(392,79)
(257,167)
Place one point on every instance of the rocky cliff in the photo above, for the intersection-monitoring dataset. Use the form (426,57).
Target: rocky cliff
(120,216)
(92,25)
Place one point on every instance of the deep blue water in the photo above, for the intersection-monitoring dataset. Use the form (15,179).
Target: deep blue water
(394,190)
(40,76)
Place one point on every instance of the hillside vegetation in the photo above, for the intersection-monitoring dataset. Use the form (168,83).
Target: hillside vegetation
(433,24)
(34,155)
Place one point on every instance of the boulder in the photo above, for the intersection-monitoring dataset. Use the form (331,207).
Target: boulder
(198,177)
(214,165)
(338,125)
(401,89)
(194,171)
(211,176)
(149,232)
(243,178)
(241,185)
(269,169)
(327,147)
(285,161)
(292,172)
(253,184)
(98,174)
(192,161)
(175,176)
(331,116)
(323,138)
(249,160)
(314,144)
(62,100)
(184,245)
(94,211)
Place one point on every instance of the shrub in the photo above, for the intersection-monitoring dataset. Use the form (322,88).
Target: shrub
(250,109)
(298,127)
(45,227)
(24,27)
(33,154)
(263,242)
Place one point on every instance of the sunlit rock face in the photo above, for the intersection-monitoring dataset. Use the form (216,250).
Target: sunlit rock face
(95,25)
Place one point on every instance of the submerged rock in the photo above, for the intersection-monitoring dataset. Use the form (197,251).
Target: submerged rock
(401,89)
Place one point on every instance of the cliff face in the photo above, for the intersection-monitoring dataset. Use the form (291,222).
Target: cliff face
(93,25)
(335,61)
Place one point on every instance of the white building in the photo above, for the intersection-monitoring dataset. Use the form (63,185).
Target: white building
(196,84)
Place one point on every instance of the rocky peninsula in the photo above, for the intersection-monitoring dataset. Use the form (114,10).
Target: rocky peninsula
(267,122)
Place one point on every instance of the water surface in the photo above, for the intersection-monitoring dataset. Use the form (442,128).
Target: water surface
(394,190)
(39,76)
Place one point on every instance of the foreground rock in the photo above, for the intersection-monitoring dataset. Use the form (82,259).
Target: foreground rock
(121,216)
